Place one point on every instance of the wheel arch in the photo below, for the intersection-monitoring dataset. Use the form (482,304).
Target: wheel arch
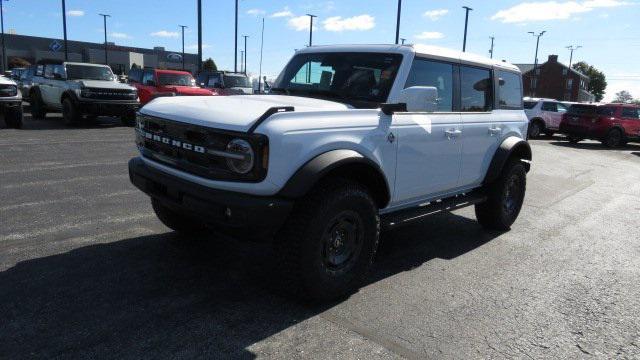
(339,163)
(511,147)
(69,94)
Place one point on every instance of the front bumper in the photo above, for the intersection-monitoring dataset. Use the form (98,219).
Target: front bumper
(10,103)
(249,216)
(108,108)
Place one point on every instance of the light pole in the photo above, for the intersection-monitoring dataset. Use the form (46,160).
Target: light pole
(572,48)
(64,29)
(199,35)
(241,61)
(402,40)
(235,40)
(104,18)
(466,23)
(260,68)
(310,43)
(183,26)
(491,50)
(4,52)
(398,21)
(245,53)
(534,85)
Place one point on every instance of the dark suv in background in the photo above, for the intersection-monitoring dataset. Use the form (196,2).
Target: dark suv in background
(612,124)
(225,83)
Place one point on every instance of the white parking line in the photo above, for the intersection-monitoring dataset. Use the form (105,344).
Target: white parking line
(74,198)
(60,181)
(59,167)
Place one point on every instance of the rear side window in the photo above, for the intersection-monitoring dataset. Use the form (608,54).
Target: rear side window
(509,90)
(606,111)
(436,74)
(529,104)
(630,113)
(549,106)
(476,88)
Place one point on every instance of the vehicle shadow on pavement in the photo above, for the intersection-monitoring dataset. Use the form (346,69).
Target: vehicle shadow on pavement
(56,123)
(594,146)
(160,296)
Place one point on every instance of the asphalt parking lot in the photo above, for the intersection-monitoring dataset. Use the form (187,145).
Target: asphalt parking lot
(86,270)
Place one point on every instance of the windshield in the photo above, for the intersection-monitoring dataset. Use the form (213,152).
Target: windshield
(231,81)
(176,79)
(80,72)
(530,104)
(359,79)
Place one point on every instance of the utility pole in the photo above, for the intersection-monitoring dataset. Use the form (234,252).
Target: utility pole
(466,23)
(104,18)
(241,61)
(398,21)
(64,29)
(310,44)
(235,41)
(245,53)
(534,85)
(572,48)
(183,26)
(4,50)
(260,68)
(199,35)
(491,50)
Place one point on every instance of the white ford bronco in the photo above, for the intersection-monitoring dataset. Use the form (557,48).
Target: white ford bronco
(352,140)
(81,89)
(10,103)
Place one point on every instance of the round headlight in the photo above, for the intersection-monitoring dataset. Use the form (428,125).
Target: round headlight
(244,161)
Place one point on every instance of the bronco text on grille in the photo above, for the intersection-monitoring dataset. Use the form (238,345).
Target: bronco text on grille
(109,94)
(210,153)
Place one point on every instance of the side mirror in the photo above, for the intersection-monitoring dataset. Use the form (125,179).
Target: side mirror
(150,83)
(420,98)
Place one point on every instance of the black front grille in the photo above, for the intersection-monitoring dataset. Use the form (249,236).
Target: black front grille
(109,94)
(8,90)
(189,148)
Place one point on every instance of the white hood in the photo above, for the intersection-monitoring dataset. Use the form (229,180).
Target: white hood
(104,84)
(235,113)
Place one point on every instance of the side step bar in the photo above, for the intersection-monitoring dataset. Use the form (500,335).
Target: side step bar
(407,216)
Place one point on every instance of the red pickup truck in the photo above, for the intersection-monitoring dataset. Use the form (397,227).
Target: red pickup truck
(613,124)
(152,83)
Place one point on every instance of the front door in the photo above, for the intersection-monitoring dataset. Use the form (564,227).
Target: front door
(429,145)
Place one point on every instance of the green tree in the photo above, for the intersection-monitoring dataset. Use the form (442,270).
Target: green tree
(623,97)
(597,79)
(209,65)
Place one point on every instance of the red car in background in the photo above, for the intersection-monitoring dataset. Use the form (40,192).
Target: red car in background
(152,83)
(612,124)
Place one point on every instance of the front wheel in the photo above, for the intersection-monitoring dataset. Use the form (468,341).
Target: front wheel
(328,244)
(38,108)
(614,139)
(505,198)
(13,118)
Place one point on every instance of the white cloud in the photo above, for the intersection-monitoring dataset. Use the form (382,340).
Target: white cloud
(256,12)
(551,10)
(195,47)
(360,23)
(165,33)
(119,35)
(429,35)
(283,13)
(435,14)
(299,23)
(75,13)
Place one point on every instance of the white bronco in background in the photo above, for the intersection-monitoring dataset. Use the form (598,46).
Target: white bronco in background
(351,140)
(10,103)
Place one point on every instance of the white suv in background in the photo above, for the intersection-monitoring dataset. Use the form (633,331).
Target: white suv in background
(544,116)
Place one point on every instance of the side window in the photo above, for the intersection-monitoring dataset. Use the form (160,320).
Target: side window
(549,106)
(40,70)
(509,90)
(134,75)
(148,75)
(630,113)
(562,108)
(436,74)
(58,71)
(48,71)
(476,88)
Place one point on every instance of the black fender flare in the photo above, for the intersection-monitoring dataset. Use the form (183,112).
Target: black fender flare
(70,94)
(512,146)
(308,175)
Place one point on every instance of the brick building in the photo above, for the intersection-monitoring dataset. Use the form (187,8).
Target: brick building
(555,80)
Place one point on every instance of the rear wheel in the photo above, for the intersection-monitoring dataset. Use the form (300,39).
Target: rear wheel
(535,128)
(13,118)
(38,109)
(614,138)
(505,198)
(574,140)
(328,244)
(70,113)
(177,221)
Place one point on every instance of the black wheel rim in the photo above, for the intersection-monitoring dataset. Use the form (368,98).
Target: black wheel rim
(512,196)
(342,241)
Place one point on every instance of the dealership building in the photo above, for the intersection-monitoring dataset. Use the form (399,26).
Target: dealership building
(34,49)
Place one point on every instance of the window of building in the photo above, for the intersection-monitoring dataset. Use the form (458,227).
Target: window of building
(569,84)
(436,74)
(476,88)
(565,72)
(509,90)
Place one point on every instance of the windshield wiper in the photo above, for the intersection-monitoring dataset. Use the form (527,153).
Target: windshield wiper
(281,90)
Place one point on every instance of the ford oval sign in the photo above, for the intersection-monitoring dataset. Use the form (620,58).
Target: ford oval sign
(174,57)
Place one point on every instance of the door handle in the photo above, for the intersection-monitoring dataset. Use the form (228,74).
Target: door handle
(495,131)
(452,133)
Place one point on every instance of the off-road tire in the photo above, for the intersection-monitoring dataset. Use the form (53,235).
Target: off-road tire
(128,119)
(574,140)
(308,243)
(614,139)
(174,220)
(13,118)
(535,129)
(505,198)
(38,108)
(70,113)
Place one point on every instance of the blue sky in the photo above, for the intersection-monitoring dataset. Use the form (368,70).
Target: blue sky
(607,30)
